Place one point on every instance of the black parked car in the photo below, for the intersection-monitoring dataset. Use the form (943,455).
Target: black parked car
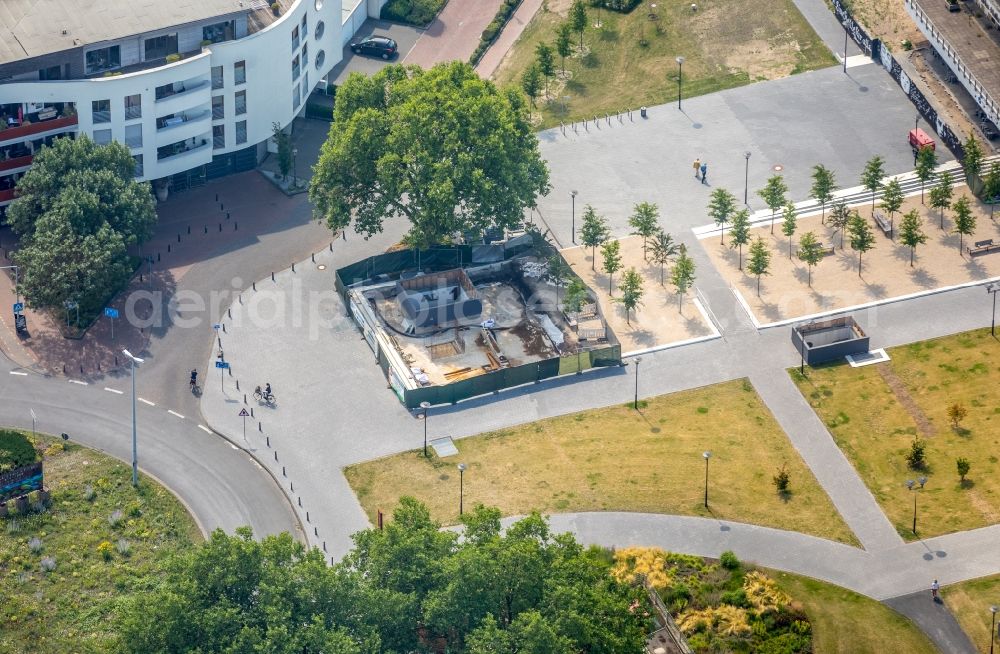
(376,46)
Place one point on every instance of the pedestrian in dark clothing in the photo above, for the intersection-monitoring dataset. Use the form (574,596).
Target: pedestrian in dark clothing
(704,173)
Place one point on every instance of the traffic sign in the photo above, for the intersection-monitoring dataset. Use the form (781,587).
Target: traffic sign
(222,364)
(18,307)
(244,414)
(216,326)
(110,313)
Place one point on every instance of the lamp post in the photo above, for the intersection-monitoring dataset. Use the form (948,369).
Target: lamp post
(135,454)
(992,290)
(845,47)
(295,180)
(635,403)
(707,456)
(993,626)
(746,179)
(680,70)
(572,196)
(910,484)
(461,488)
(425,406)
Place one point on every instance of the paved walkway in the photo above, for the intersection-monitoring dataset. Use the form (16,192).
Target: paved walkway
(454,34)
(937,621)
(511,33)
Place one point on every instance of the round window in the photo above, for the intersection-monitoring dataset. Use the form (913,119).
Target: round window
(320,57)
(319,30)
(319,4)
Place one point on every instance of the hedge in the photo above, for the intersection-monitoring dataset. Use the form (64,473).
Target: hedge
(414,12)
(15,450)
(493,30)
(623,6)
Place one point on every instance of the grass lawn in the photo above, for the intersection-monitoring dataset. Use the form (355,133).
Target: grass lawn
(70,609)
(874,413)
(970,602)
(725,43)
(844,622)
(617,459)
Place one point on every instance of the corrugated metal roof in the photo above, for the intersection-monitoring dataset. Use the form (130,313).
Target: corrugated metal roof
(31,28)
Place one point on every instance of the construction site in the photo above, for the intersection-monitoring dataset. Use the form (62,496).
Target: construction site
(496,322)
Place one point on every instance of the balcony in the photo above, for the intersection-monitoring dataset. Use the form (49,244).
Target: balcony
(181,127)
(37,130)
(6,197)
(180,149)
(15,165)
(174,102)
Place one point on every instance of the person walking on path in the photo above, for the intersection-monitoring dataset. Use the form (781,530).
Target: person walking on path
(697,166)
(934,590)
(704,173)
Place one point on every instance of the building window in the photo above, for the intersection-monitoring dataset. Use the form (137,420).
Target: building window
(218,32)
(305,86)
(295,38)
(305,26)
(240,72)
(319,30)
(103,59)
(218,136)
(138,164)
(161,46)
(305,55)
(218,107)
(295,68)
(102,136)
(133,106)
(218,78)
(133,135)
(53,72)
(241,132)
(295,97)
(241,103)
(101,110)
(320,58)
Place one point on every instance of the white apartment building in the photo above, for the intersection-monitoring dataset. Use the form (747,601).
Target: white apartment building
(191,87)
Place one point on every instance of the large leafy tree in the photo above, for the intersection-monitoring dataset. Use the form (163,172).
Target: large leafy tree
(823,186)
(663,249)
(721,206)
(563,45)
(773,194)
(578,19)
(892,201)
(965,220)
(631,288)
(862,236)
(840,218)
(611,255)
(759,260)
(972,163)
(942,194)
(911,232)
(682,276)
(740,232)
(644,222)
(441,147)
(926,163)
(78,210)
(593,232)
(810,252)
(871,176)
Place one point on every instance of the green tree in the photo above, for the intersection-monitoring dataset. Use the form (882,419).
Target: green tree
(789,224)
(892,200)
(965,220)
(823,186)
(810,252)
(578,19)
(546,66)
(942,194)
(926,163)
(611,261)
(840,218)
(720,208)
(740,232)
(972,163)
(862,236)
(558,271)
(963,466)
(991,187)
(631,289)
(284,143)
(563,44)
(911,233)
(593,232)
(682,276)
(576,296)
(664,250)
(441,147)
(644,222)
(871,177)
(773,195)
(531,82)
(957,413)
(759,260)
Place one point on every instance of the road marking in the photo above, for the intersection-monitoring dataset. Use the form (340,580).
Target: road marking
(205,429)
(233,446)
(19,374)
(174,413)
(145,401)
(113,390)
(77,381)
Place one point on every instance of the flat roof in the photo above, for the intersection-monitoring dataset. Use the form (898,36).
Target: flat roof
(32,28)
(976,46)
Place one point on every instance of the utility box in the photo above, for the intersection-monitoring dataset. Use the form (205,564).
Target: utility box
(829,340)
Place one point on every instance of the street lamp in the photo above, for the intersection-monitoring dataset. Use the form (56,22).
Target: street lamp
(912,486)
(635,404)
(680,65)
(295,180)
(845,47)
(992,290)
(707,456)
(461,487)
(135,455)
(572,195)
(993,627)
(425,406)
(746,179)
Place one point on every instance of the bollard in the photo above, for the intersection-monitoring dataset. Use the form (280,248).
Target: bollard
(315,531)
(324,546)
(230,371)
(81,368)
(276,455)
(216,197)
(116,360)
(236,226)
(240,297)
(98,366)
(220,227)
(230,312)
(255,286)
(268,441)
(223,328)
(227,215)
(157,257)
(331,246)
(300,500)
(237,384)
(314,257)
(293,267)
(222,207)
(272,276)
(291,486)
(140,278)
(307,517)
(64,368)
(244,398)
(260,427)
(189,229)
(206,229)
(168,248)
(251,412)
(178,238)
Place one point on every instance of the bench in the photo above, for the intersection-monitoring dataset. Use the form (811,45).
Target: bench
(982,247)
(883,223)
(825,249)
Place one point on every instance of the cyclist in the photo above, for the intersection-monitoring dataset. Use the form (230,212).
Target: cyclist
(194,378)
(267,391)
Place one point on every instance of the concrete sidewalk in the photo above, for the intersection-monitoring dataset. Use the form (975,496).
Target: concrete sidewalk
(454,34)
(511,33)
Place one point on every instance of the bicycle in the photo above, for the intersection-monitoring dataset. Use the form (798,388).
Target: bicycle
(262,396)
(195,388)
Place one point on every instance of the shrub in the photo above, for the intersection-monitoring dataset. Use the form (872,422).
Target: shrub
(124,547)
(16,450)
(736,597)
(506,10)
(35,544)
(623,6)
(115,518)
(414,12)
(916,457)
(48,564)
(171,58)
(105,549)
(782,480)
(963,466)
(729,561)
(88,493)
(957,413)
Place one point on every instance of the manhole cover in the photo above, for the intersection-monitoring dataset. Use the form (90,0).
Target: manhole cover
(778,167)
(321,267)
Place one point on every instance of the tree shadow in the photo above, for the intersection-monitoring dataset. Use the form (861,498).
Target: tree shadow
(922,278)
(785,496)
(591,60)
(966,484)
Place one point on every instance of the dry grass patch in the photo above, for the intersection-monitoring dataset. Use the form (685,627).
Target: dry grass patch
(875,425)
(970,602)
(618,459)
